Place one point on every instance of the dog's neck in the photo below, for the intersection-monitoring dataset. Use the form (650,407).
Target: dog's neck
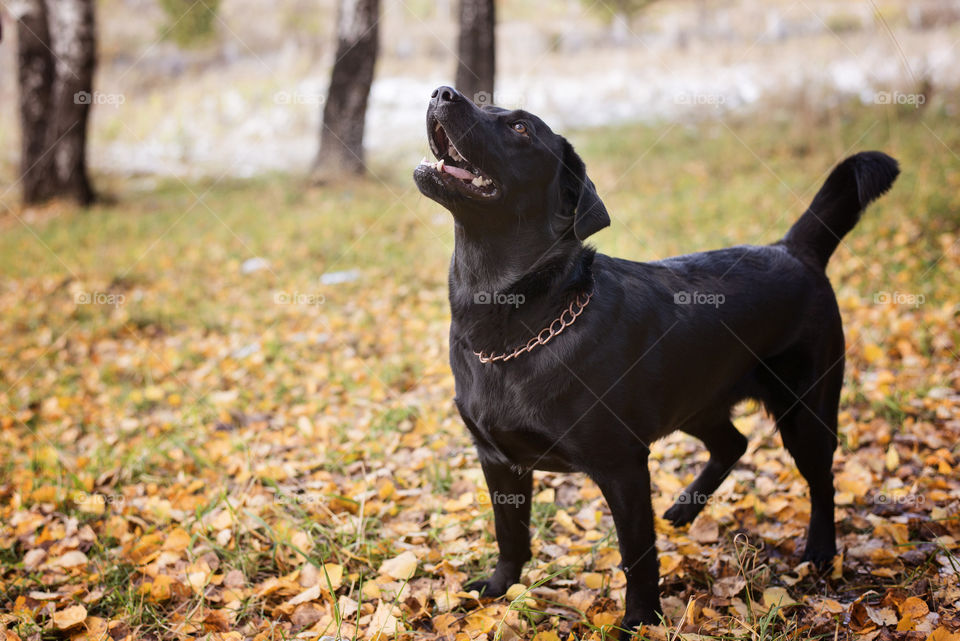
(502,288)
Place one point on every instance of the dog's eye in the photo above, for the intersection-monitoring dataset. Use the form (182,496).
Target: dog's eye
(520,128)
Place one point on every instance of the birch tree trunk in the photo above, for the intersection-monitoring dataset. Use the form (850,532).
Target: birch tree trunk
(56,55)
(72,33)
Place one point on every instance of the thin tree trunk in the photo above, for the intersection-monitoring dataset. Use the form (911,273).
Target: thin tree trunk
(345,109)
(476,50)
(72,32)
(35,77)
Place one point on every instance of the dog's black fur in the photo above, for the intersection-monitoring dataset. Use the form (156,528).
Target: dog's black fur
(638,363)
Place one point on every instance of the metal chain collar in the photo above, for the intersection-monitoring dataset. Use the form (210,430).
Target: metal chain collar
(544,335)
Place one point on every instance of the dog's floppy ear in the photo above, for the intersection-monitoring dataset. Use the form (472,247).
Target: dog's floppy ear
(580,196)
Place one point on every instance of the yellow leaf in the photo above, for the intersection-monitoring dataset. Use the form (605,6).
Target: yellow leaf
(177,540)
(69,617)
(515,590)
(837,572)
(45,494)
(386,490)
(94,629)
(872,353)
(855,479)
(906,624)
(478,623)
(445,601)
(310,594)
(93,504)
(914,607)
(605,619)
(160,589)
(777,596)
(146,547)
(844,498)
(942,634)
(333,573)
(401,567)
(669,562)
(153,393)
(198,575)
(370,590)
(563,520)
(593,580)
(893,459)
(222,521)
(832,606)
(548,495)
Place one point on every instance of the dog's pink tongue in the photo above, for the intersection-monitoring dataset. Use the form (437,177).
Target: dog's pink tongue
(462,174)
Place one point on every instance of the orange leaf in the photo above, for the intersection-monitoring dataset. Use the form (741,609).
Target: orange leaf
(69,617)
(914,607)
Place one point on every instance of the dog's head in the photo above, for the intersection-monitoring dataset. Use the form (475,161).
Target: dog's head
(496,166)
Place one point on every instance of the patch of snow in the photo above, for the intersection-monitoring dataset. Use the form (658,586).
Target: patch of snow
(336,278)
(254,264)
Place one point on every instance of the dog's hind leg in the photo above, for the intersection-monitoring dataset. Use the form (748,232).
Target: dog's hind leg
(810,435)
(726,445)
(806,415)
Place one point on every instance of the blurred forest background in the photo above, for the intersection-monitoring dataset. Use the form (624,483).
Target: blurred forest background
(225,406)
(238,86)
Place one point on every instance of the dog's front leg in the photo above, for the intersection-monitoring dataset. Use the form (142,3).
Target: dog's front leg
(510,494)
(627,492)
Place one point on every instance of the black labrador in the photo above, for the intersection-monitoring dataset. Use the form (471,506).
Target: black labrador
(568,360)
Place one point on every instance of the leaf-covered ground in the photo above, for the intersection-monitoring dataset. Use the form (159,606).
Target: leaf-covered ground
(226,412)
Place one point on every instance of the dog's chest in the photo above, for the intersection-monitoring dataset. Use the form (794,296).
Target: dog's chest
(511,420)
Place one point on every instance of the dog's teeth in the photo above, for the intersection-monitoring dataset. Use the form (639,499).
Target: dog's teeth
(440,165)
(477,182)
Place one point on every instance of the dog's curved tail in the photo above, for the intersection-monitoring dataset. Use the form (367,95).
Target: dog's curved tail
(851,186)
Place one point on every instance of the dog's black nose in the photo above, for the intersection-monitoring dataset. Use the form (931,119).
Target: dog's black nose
(445,94)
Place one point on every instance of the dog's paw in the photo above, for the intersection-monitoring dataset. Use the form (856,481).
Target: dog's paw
(820,555)
(628,630)
(488,588)
(681,513)
(629,626)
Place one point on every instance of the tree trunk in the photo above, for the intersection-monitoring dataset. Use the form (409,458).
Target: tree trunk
(35,77)
(345,109)
(476,50)
(74,49)
(56,57)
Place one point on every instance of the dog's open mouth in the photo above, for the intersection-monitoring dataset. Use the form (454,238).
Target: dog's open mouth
(454,168)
